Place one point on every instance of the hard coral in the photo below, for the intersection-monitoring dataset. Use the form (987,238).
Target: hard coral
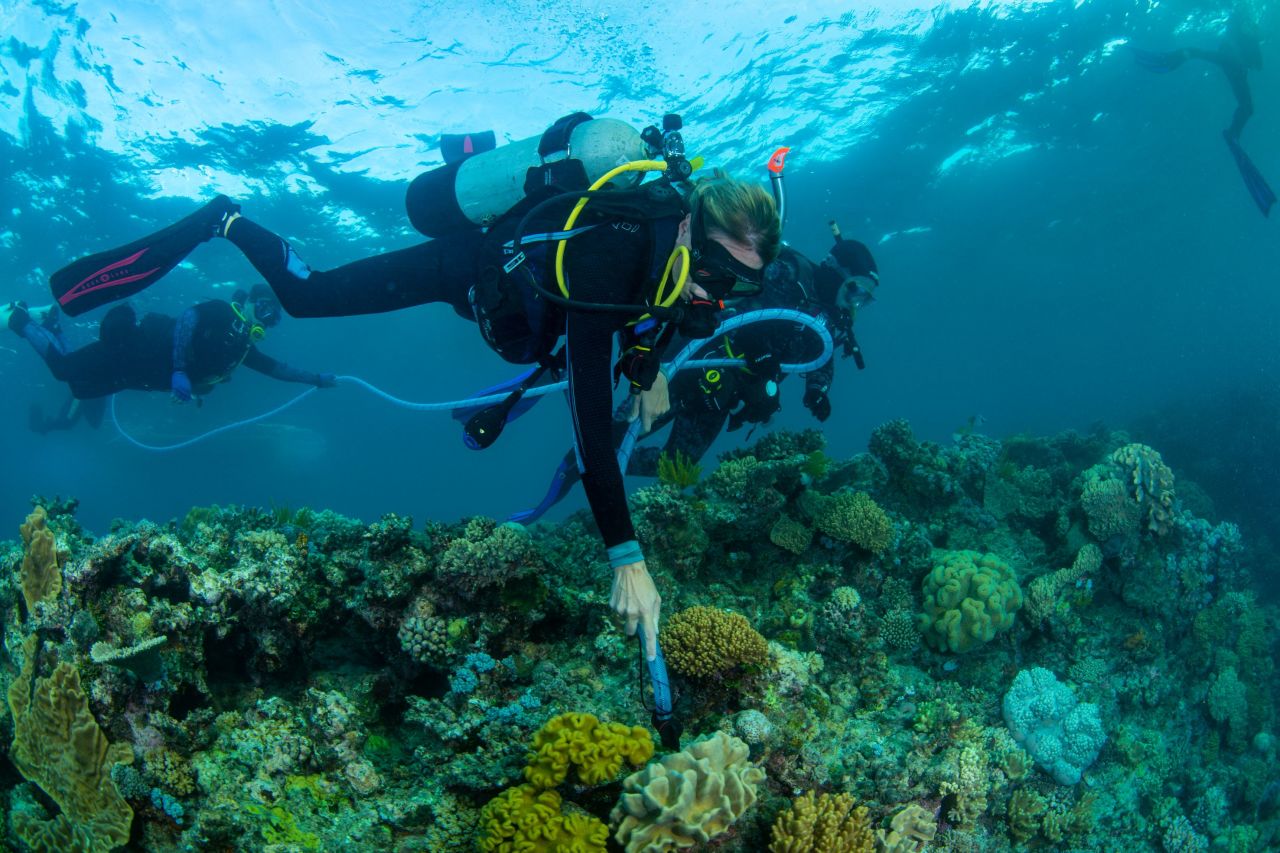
(854,517)
(688,797)
(488,554)
(968,598)
(596,749)
(825,824)
(701,642)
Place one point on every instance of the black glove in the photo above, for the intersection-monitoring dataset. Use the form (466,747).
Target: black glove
(817,401)
(325,380)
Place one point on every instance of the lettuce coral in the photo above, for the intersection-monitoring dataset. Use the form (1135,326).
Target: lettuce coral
(41,577)
(596,749)
(58,745)
(687,797)
(968,598)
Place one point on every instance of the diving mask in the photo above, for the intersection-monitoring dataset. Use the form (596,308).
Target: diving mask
(857,291)
(721,275)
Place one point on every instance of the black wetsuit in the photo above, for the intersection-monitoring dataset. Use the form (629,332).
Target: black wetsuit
(703,401)
(209,339)
(611,263)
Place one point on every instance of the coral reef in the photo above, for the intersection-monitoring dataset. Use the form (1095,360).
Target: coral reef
(1030,643)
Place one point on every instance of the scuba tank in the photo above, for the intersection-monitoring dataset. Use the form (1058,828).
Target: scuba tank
(480,186)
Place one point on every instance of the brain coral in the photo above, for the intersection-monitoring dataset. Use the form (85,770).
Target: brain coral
(704,641)
(688,797)
(968,598)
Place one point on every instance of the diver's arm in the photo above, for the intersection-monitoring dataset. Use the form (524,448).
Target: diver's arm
(257,360)
(183,334)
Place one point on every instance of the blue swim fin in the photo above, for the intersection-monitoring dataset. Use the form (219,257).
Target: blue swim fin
(1262,194)
(526,403)
(1158,61)
(562,482)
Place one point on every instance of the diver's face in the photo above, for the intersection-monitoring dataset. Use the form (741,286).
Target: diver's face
(266,312)
(723,267)
(856,291)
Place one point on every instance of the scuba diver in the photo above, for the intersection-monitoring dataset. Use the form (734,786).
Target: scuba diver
(1237,55)
(531,244)
(708,401)
(186,355)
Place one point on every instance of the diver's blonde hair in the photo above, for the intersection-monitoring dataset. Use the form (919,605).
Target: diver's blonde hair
(742,210)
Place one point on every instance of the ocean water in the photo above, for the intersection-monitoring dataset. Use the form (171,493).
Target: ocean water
(1063,238)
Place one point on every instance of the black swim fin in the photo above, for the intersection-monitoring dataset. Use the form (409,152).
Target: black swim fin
(1158,61)
(104,277)
(1262,194)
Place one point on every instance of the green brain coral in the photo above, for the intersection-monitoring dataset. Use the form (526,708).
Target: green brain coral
(705,641)
(597,749)
(968,598)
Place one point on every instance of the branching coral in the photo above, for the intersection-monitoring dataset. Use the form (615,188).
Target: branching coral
(705,641)
(854,517)
(687,797)
(824,824)
(488,554)
(790,535)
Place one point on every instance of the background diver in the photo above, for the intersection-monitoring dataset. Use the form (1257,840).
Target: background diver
(1237,55)
(714,238)
(186,355)
(704,402)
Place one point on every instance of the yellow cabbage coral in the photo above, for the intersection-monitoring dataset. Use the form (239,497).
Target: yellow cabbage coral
(825,824)
(968,598)
(855,518)
(704,641)
(526,820)
(596,749)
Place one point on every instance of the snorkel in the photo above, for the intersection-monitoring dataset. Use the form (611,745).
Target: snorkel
(775,166)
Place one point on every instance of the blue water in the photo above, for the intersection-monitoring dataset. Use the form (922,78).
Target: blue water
(1062,236)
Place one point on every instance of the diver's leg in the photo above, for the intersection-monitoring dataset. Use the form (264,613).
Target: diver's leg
(107,276)
(437,271)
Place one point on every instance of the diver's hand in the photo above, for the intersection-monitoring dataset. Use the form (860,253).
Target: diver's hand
(325,380)
(636,599)
(817,402)
(180,385)
(650,405)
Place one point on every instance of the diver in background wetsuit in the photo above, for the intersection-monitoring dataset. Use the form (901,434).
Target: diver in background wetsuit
(705,402)
(1237,55)
(186,355)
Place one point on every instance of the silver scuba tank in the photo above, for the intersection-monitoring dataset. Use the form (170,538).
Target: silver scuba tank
(475,191)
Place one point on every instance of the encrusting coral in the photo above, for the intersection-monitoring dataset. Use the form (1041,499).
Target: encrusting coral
(828,823)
